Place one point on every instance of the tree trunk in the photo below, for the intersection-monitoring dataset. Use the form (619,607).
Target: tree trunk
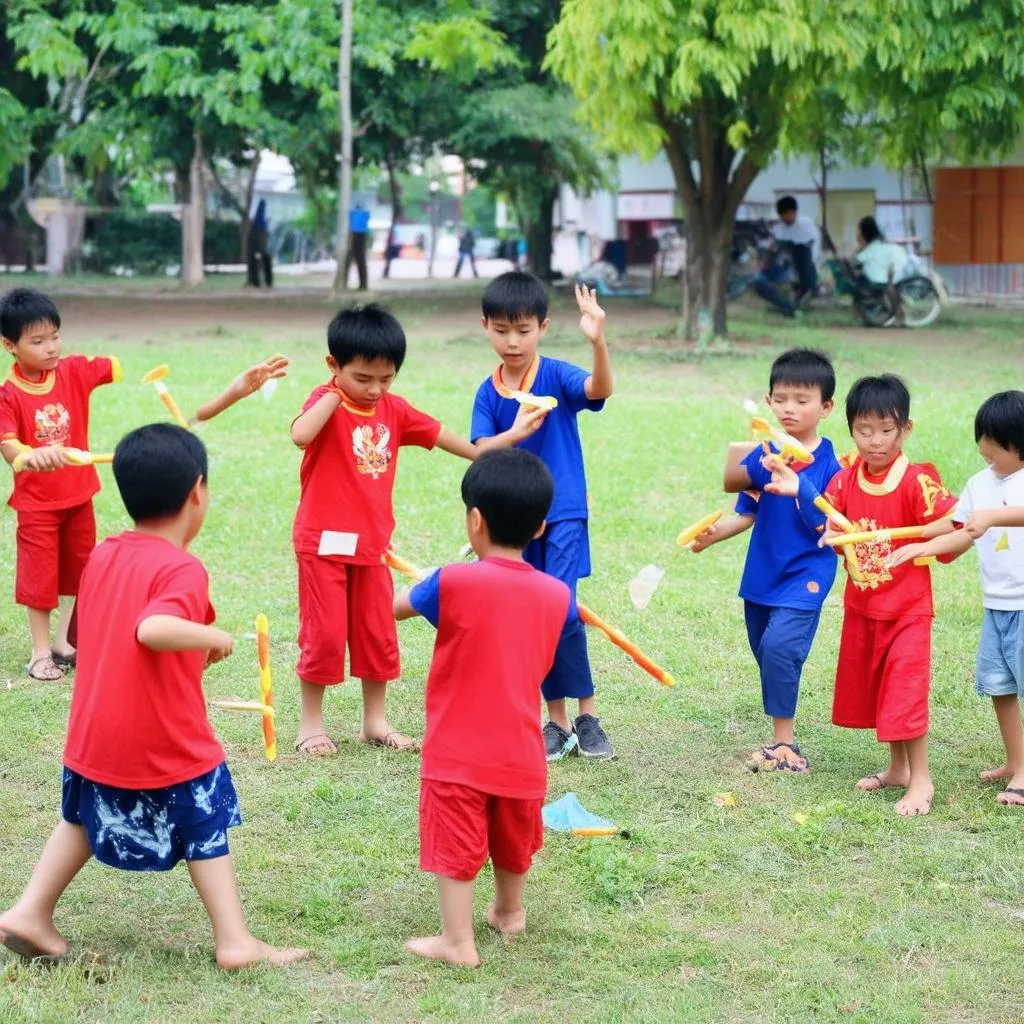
(345,170)
(539,232)
(193,219)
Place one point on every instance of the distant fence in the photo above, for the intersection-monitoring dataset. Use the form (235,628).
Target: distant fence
(984,280)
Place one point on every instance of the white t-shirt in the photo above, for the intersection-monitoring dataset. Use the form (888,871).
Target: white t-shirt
(1001,549)
(803,231)
(876,259)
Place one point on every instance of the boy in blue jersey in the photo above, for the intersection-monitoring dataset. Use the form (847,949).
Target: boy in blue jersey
(787,576)
(515,318)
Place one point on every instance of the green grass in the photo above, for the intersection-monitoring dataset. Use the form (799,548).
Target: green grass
(708,914)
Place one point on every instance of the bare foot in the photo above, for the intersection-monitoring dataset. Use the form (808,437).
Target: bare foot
(255,952)
(31,938)
(437,947)
(388,737)
(883,780)
(917,800)
(996,774)
(317,745)
(507,924)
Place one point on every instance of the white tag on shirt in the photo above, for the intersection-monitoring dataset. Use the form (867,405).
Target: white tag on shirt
(334,543)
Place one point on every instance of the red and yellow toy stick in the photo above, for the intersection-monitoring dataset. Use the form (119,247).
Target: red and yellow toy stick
(266,691)
(156,377)
(620,641)
(400,565)
(76,456)
(844,524)
(605,831)
(896,533)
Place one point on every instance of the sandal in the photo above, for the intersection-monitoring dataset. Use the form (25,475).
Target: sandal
(302,746)
(1013,791)
(780,757)
(391,742)
(64,660)
(48,671)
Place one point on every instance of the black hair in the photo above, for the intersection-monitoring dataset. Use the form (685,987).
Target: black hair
(1001,419)
(804,367)
(513,491)
(787,204)
(156,467)
(515,295)
(23,307)
(869,230)
(369,331)
(882,396)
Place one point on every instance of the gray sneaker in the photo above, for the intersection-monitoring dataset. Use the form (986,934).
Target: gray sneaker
(557,742)
(593,741)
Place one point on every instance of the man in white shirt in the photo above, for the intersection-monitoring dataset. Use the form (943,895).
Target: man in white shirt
(803,239)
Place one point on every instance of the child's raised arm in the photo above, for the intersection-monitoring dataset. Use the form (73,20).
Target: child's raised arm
(403,606)
(947,546)
(735,478)
(528,421)
(172,633)
(307,426)
(600,384)
(245,384)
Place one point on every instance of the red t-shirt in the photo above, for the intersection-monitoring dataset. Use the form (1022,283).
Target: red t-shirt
(54,410)
(138,716)
(347,477)
(498,624)
(907,494)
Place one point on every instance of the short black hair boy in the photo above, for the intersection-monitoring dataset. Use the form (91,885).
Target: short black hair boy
(1001,419)
(369,331)
(882,396)
(512,489)
(515,295)
(787,204)
(804,367)
(23,307)
(156,467)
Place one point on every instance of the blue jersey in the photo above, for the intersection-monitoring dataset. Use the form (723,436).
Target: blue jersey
(785,568)
(557,443)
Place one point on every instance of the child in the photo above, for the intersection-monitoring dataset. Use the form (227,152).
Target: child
(991,510)
(786,577)
(44,406)
(515,318)
(351,429)
(479,794)
(884,671)
(145,783)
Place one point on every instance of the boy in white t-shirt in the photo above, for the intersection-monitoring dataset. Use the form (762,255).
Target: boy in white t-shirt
(991,512)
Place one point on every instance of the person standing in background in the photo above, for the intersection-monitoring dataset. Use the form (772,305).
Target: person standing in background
(259,251)
(359,232)
(467,243)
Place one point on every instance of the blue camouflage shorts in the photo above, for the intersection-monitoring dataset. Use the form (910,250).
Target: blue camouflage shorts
(152,829)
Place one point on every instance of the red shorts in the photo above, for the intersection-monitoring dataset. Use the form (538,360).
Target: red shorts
(884,675)
(460,826)
(53,547)
(342,604)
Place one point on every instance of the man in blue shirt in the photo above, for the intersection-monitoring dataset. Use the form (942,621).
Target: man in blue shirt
(359,233)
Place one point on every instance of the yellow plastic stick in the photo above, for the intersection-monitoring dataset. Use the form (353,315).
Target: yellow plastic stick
(896,533)
(156,377)
(76,456)
(789,447)
(244,705)
(266,690)
(691,533)
(844,524)
(537,401)
(594,832)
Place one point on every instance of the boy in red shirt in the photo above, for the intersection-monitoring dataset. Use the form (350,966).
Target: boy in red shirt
(44,406)
(884,671)
(480,793)
(350,430)
(165,794)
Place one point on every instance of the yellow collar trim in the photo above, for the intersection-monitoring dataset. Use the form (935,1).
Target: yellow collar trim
(30,387)
(528,379)
(889,484)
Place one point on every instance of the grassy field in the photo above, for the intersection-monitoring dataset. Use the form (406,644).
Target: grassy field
(803,901)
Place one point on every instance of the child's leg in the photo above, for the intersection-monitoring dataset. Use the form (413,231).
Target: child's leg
(1008,715)
(313,739)
(515,832)
(31,919)
(376,727)
(896,775)
(39,630)
(507,913)
(77,541)
(61,644)
(455,945)
(920,791)
(235,945)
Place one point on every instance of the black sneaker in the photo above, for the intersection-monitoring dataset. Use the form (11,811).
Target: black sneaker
(557,742)
(593,741)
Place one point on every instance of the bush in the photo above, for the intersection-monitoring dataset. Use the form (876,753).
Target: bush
(150,243)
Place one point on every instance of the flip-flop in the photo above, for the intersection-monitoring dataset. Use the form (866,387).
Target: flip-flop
(1015,791)
(44,659)
(302,745)
(29,950)
(64,660)
(390,743)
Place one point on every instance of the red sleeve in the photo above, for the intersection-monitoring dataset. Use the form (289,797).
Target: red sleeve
(314,397)
(93,371)
(8,417)
(181,590)
(837,490)
(930,498)
(418,428)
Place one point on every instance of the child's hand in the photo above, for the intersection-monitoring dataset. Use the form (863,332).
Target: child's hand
(528,421)
(784,480)
(593,318)
(978,522)
(829,534)
(704,540)
(250,381)
(905,554)
(45,460)
(221,646)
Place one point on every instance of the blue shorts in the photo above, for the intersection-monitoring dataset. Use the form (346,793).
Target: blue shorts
(563,551)
(781,639)
(152,829)
(1000,666)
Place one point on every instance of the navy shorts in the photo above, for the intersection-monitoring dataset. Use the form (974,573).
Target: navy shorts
(781,639)
(152,829)
(563,551)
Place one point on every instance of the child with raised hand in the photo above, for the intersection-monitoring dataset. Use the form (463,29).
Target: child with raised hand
(44,408)
(484,774)
(884,671)
(991,512)
(145,782)
(350,430)
(515,319)
(786,577)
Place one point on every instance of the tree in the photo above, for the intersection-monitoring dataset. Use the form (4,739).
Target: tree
(345,164)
